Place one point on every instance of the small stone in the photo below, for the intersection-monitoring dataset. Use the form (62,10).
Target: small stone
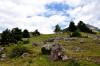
(2,49)
(34,44)
(25,55)
(65,58)
(3,55)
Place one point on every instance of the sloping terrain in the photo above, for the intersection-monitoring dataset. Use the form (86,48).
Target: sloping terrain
(86,50)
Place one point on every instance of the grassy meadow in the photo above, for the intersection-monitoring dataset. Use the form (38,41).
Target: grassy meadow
(90,48)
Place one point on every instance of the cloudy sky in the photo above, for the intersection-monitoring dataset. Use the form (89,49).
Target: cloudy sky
(45,14)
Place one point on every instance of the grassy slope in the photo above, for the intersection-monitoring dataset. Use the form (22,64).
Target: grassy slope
(37,59)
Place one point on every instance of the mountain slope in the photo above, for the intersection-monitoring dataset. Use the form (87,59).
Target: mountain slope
(93,28)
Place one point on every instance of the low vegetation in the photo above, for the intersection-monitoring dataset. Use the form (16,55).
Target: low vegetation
(18,51)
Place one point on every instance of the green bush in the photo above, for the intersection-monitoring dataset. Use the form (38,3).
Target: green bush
(76,34)
(18,51)
(20,42)
(73,63)
(45,51)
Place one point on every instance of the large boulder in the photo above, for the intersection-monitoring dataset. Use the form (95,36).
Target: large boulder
(55,52)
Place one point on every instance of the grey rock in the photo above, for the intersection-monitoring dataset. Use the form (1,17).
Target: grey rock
(57,52)
(77,49)
(25,55)
(2,49)
(3,55)
(65,58)
(34,44)
(82,41)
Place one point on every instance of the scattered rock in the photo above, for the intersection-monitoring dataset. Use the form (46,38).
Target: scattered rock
(25,55)
(49,40)
(58,39)
(82,41)
(34,44)
(3,57)
(76,49)
(95,59)
(70,39)
(2,49)
(65,58)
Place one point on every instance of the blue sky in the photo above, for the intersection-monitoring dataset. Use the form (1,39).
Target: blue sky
(45,14)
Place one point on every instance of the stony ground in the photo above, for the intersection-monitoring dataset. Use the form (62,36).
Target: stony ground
(86,50)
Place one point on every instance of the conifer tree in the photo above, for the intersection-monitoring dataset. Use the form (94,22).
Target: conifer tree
(72,27)
(57,28)
(26,34)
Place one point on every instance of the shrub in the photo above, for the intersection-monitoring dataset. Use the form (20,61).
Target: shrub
(45,51)
(18,51)
(76,34)
(73,63)
(19,42)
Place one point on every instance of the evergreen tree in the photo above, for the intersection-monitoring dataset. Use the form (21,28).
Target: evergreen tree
(36,33)
(72,27)
(5,37)
(26,34)
(83,28)
(57,28)
(17,34)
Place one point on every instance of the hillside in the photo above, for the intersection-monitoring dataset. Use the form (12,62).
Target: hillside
(93,28)
(88,53)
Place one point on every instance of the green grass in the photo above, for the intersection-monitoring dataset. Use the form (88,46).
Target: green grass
(89,48)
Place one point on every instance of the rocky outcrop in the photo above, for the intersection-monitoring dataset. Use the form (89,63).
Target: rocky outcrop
(56,52)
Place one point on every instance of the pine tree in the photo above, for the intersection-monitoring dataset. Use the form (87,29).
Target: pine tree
(5,37)
(36,33)
(57,28)
(17,34)
(72,27)
(83,28)
(26,34)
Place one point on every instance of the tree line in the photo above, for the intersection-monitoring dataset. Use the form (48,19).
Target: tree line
(15,35)
(82,27)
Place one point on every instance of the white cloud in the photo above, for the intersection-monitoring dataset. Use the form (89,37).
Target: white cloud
(14,13)
(88,12)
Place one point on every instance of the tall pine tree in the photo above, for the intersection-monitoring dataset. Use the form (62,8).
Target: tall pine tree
(5,37)
(83,27)
(36,33)
(57,28)
(26,34)
(17,34)
(72,27)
